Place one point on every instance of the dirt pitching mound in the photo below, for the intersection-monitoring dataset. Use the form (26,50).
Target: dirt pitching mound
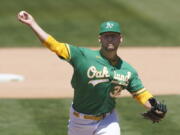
(46,76)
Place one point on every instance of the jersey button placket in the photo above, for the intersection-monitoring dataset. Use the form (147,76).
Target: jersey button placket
(111,73)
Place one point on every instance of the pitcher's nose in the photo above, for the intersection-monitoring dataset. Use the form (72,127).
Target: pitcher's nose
(109,38)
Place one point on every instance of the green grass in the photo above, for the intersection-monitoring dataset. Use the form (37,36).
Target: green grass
(50,117)
(147,22)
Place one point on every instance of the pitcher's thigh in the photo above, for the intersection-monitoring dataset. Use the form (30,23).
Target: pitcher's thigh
(109,125)
(111,129)
(80,128)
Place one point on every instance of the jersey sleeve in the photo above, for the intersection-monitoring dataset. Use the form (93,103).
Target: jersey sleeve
(142,95)
(65,51)
(77,54)
(135,83)
(61,49)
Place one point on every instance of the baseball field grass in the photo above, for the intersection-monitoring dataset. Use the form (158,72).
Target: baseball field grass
(50,117)
(144,23)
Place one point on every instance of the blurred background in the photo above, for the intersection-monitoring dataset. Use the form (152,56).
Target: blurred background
(151,44)
(143,22)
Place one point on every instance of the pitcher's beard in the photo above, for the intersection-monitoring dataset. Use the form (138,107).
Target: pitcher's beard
(110,47)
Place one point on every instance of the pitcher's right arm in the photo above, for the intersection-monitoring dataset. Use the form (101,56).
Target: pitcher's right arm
(61,49)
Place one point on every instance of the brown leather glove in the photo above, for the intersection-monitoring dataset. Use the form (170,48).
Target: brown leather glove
(157,112)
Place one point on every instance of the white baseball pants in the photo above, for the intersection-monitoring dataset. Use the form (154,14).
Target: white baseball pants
(80,126)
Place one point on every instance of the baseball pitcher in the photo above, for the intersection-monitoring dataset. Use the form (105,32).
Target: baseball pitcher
(98,79)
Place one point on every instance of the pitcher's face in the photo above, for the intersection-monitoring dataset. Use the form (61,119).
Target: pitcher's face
(110,41)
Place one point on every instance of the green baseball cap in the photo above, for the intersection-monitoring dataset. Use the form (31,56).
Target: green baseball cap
(109,26)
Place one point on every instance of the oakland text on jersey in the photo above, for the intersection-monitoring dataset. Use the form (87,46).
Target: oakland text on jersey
(93,72)
(103,75)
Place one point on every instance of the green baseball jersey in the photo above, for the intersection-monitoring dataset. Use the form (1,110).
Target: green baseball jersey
(94,77)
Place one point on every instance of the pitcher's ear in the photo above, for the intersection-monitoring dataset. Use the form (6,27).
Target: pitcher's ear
(121,39)
(99,39)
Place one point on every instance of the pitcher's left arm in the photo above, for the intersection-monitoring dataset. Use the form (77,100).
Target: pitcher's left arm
(156,110)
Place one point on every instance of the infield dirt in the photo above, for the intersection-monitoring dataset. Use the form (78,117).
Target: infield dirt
(46,76)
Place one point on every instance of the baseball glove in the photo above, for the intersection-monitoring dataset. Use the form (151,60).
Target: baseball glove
(157,112)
